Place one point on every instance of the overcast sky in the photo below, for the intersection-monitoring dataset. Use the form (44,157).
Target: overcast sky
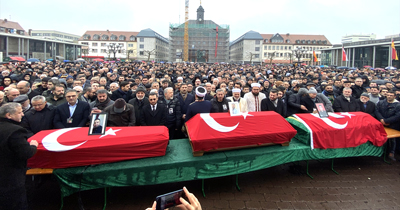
(332,18)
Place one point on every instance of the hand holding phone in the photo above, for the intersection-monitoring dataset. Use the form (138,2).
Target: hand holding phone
(168,200)
(190,203)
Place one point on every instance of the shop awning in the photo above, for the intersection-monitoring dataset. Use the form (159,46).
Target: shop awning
(17,58)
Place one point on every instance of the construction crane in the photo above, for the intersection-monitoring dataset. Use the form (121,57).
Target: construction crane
(186,34)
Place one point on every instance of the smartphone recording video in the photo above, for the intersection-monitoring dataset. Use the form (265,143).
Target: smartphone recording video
(169,200)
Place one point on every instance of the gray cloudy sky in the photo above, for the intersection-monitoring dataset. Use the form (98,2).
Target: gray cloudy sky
(332,18)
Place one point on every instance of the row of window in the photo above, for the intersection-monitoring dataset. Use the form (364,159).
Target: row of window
(289,54)
(297,41)
(278,47)
(272,47)
(54,35)
(112,37)
(94,44)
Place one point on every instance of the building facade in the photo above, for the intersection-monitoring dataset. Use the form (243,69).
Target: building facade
(151,46)
(247,48)
(375,53)
(253,47)
(96,45)
(15,42)
(208,41)
(358,38)
(54,35)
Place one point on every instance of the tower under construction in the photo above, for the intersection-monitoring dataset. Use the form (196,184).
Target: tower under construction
(208,41)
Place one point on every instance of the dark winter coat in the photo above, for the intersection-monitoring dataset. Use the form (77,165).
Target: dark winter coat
(389,112)
(341,104)
(35,121)
(14,153)
(126,118)
(138,106)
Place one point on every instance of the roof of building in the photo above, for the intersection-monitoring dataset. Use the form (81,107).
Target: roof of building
(294,37)
(52,31)
(127,34)
(195,24)
(200,9)
(150,33)
(250,35)
(10,24)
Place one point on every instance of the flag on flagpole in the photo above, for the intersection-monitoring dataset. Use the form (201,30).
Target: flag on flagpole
(315,57)
(394,53)
(344,56)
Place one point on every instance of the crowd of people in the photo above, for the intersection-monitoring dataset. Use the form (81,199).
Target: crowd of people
(63,95)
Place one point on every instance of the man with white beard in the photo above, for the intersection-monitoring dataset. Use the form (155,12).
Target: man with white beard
(236,98)
(138,103)
(366,105)
(254,98)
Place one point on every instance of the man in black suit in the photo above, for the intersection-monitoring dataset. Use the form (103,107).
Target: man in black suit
(124,92)
(366,105)
(153,113)
(25,88)
(273,103)
(185,99)
(345,102)
(74,113)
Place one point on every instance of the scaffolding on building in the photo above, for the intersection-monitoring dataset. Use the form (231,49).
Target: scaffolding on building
(202,41)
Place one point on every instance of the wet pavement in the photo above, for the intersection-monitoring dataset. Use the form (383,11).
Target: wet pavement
(362,183)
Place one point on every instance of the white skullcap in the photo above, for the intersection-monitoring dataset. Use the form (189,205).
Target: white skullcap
(78,88)
(200,91)
(236,90)
(179,78)
(255,85)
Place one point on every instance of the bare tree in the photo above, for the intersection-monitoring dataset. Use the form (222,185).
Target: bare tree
(290,56)
(271,56)
(85,52)
(129,52)
(250,55)
(149,53)
(108,52)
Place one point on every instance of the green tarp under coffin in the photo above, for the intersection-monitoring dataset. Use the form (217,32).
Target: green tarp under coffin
(179,165)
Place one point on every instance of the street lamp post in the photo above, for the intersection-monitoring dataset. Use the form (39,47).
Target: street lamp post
(114,48)
(298,52)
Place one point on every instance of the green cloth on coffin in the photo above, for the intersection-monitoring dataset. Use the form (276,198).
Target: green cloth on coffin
(303,134)
(179,165)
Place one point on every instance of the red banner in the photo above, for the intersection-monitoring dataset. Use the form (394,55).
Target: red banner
(220,130)
(343,130)
(216,43)
(344,56)
(72,147)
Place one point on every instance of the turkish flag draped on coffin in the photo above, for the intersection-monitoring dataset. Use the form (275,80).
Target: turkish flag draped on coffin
(343,130)
(72,147)
(220,130)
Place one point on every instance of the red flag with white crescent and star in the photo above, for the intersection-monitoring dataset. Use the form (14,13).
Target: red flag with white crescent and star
(71,147)
(220,130)
(343,130)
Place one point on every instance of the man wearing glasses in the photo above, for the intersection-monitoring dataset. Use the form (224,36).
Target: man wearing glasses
(74,113)
(40,117)
(153,113)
